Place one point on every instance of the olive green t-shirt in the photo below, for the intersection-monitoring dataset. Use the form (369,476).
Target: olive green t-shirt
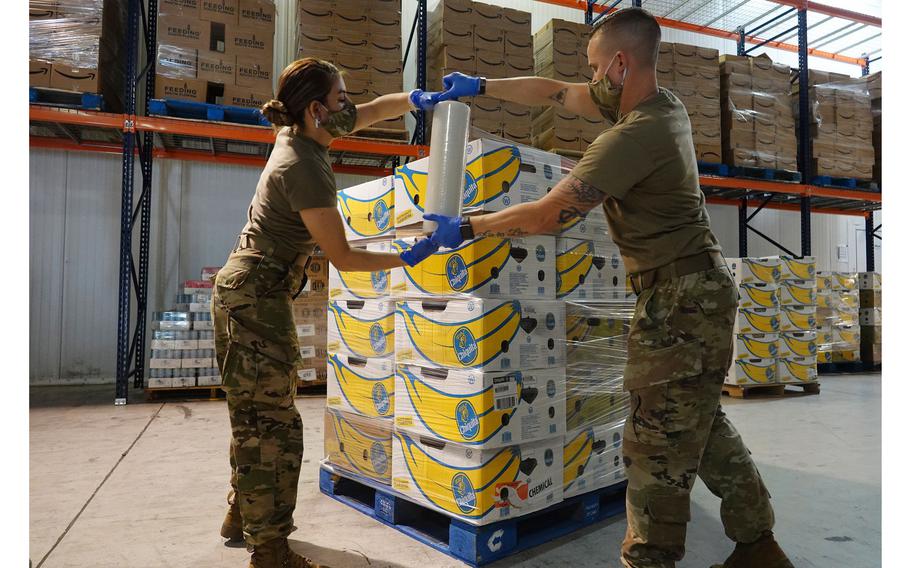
(297,176)
(645,164)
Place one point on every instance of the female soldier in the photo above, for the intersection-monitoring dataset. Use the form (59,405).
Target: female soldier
(293,208)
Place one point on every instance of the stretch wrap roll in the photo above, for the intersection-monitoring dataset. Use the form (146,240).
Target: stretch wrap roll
(445,183)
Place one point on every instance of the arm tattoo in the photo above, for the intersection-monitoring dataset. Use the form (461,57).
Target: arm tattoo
(560,96)
(584,192)
(514,232)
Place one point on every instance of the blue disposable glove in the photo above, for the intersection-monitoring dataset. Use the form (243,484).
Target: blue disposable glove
(423,100)
(459,85)
(421,250)
(448,230)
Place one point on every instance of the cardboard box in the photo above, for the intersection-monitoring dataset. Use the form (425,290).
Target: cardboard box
(162,363)
(870,298)
(362,285)
(498,175)
(365,328)
(759,295)
(481,333)
(756,346)
(870,316)
(183,89)
(359,445)
(245,97)
(798,293)
(751,270)
(368,209)
(160,382)
(478,486)
(453,10)
(798,344)
(592,459)
(185,8)
(364,386)
(797,268)
(183,382)
(796,370)
(758,320)
(480,409)
(222,11)
(487,267)
(797,318)
(184,31)
(585,269)
(869,280)
(252,73)
(841,280)
(257,43)
(256,14)
(177,62)
(78,79)
(217,68)
(42,10)
(39,73)
(752,372)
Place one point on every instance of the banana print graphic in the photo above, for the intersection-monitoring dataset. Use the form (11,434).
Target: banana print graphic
(576,455)
(369,396)
(490,175)
(370,217)
(801,294)
(801,345)
(805,372)
(800,320)
(800,270)
(759,296)
(762,322)
(361,336)
(369,455)
(364,285)
(764,273)
(461,270)
(465,419)
(758,373)
(572,267)
(468,344)
(760,347)
(414,183)
(459,490)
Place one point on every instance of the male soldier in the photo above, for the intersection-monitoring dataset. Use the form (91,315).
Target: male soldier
(643,170)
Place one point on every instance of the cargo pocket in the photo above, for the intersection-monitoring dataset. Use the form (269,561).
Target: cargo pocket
(669,515)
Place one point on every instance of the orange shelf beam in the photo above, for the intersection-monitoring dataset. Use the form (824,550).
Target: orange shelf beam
(783,206)
(754,184)
(39,113)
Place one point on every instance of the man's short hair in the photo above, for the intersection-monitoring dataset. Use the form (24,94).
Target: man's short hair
(635,30)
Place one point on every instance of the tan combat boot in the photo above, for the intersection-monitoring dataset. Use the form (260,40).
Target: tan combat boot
(277,554)
(763,553)
(232,527)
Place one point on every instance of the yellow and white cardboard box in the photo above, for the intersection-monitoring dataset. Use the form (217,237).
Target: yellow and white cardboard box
(798,293)
(756,346)
(498,175)
(586,269)
(869,280)
(749,270)
(358,444)
(838,280)
(798,344)
(592,459)
(838,299)
(362,285)
(487,267)
(752,372)
(757,320)
(361,385)
(797,318)
(845,356)
(595,399)
(870,316)
(797,268)
(484,334)
(797,370)
(758,295)
(839,338)
(480,409)
(368,209)
(478,486)
(592,227)
(365,328)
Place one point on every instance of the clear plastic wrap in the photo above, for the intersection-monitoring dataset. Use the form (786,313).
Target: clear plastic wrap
(445,178)
(498,396)
(838,317)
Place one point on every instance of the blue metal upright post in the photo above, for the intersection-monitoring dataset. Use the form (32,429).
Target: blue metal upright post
(870,242)
(741,41)
(421,129)
(804,141)
(865,67)
(743,227)
(589,11)
(636,3)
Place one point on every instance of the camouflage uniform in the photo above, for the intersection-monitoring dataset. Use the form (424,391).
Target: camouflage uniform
(257,351)
(680,346)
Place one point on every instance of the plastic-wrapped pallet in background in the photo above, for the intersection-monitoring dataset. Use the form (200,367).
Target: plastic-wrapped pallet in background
(838,317)
(692,74)
(870,305)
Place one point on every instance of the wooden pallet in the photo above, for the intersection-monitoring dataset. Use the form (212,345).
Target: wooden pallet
(770,391)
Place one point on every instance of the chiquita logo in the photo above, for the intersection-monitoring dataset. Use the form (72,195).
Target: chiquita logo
(614,261)
(381,215)
(381,399)
(465,345)
(470,189)
(456,272)
(463,491)
(466,417)
(379,458)
(540,253)
(377,338)
(380,280)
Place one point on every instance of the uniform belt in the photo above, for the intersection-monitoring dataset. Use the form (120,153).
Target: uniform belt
(268,247)
(680,267)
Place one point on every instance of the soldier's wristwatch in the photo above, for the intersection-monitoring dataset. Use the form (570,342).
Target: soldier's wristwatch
(483,86)
(467,231)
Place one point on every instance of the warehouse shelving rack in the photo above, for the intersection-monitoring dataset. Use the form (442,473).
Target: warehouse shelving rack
(135,134)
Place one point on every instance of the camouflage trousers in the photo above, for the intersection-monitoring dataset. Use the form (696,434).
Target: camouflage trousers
(257,352)
(680,346)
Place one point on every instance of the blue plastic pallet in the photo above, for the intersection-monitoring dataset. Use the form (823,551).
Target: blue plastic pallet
(766,174)
(207,111)
(846,183)
(714,169)
(474,545)
(67,99)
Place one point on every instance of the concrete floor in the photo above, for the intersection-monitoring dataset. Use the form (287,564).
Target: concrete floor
(144,486)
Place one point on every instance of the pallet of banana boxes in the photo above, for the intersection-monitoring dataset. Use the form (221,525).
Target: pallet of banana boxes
(838,321)
(870,305)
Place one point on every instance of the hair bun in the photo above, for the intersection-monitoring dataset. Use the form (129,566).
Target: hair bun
(277,113)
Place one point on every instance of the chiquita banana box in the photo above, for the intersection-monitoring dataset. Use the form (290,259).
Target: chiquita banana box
(586,322)
(758,320)
(362,285)
(592,227)
(869,280)
(797,318)
(368,209)
(840,316)
(840,280)
(758,295)
(838,299)
(365,328)
(479,486)
(756,346)
(839,338)
(482,409)
(592,459)
(581,270)
(797,268)
(497,175)
(798,293)
(797,344)
(361,385)
(797,370)
(749,270)
(359,445)
(484,334)
(752,372)
(596,402)
(487,267)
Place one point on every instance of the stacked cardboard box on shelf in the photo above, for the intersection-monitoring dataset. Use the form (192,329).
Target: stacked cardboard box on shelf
(870,317)
(310,319)
(74,45)
(874,86)
(363,39)
(838,317)
(692,74)
(757,124)
(488,41)
(842,126)
(216,51)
